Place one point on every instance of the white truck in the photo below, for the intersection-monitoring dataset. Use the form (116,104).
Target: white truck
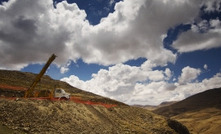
(60,93)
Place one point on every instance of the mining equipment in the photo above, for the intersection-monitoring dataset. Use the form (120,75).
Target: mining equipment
(57,93)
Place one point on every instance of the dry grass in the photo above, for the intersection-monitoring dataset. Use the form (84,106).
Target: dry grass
(200,113)
(206,121)
(49,117)
(43,116)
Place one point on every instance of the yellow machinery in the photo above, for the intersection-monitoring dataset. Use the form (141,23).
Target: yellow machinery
(29,92)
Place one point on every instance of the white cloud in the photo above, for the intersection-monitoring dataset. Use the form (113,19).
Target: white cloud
(132,85)
(215,23)
(205,67)
(168,73)
(195,40)
(65,68)
(111,2)
(118,81)
(135,30)
(74,80)
(156,92)
(192,41)
(212,5)
(202,26)
(204,34)
(151,93)
(31,31)
(197,87)
(213,82)
(188,75)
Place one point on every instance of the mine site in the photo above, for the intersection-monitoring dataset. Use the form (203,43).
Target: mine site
(39,108)
(34,103)
(110,67)
(82,112)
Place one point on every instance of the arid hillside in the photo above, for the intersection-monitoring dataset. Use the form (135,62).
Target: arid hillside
(83,113)
(14,83)
(201,113)
(43,116)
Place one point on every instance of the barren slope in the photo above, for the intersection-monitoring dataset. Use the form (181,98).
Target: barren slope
(201,113)
(205,121)
(43,116)
(73,116)
(12,80)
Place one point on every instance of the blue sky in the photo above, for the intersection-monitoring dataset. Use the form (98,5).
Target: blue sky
(137,52)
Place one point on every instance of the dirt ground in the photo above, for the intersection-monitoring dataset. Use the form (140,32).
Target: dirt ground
(49,117)
(84,113)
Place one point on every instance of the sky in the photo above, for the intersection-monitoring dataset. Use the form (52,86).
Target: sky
(135,51)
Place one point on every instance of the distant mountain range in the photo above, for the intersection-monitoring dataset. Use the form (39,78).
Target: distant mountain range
(151,107)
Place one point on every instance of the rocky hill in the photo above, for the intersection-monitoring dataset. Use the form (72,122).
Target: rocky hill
(89,113)
(201,113)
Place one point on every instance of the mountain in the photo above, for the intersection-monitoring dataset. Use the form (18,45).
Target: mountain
(84,113)
(151,107)
(208,99)
(201,113)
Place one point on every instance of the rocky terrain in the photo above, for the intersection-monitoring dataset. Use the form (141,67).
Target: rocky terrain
(84,113)
(43,116)
(200,113)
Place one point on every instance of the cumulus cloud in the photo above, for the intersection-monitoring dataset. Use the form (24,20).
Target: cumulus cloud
(168,73)
(65,68)
(135,30)
(121,81)
(212,5)
(204,34)
(31,31)
(194,39)
(188,75)
(133,85)
(156,92)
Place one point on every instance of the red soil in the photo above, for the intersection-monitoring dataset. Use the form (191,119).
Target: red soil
(8,87)
(79,100)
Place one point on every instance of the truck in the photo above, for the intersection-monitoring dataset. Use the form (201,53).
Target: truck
(60,93)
